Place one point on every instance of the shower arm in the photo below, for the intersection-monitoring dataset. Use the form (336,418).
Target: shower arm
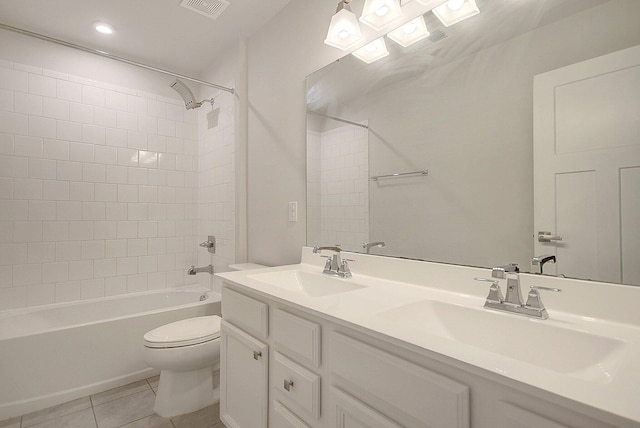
(116,58)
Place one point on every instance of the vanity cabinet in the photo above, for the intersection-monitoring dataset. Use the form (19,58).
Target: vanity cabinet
(313,371)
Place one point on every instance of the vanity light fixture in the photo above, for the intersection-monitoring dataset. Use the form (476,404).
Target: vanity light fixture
(372,51)
(103,28)
(344,30)
(411,32)
(453,11)
(379,13)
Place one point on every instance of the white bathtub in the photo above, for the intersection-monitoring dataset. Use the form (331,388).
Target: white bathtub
(56,353)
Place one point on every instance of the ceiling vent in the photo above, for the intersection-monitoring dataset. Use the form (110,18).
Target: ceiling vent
(437,35)
(209,8)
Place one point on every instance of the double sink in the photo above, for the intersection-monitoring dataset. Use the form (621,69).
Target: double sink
(555,345)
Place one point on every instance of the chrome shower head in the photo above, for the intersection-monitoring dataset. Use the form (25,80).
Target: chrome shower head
(186,94)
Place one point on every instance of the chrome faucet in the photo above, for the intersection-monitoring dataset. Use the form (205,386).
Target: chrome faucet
(538,262)
(510,272)
(335,266)
(194,270)
(368,245)
(513,301)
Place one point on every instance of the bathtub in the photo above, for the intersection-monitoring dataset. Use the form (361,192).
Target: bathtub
(56,353)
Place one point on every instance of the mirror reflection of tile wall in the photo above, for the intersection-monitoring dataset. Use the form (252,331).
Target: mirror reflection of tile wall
(337,193)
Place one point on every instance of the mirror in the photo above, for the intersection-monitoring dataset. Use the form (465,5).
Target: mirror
(460,105)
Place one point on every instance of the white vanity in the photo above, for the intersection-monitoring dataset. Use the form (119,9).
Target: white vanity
(405,343)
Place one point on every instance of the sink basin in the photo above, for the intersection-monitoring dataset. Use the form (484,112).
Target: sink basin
(307,283)
(564,350)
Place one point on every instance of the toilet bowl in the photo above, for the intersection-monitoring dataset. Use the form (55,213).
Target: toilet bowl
(186,353)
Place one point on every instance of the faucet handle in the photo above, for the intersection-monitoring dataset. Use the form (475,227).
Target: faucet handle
(495,293)
(344,267)
(534,300)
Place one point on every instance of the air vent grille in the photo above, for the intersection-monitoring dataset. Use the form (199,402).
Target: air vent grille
(437,35)
(209,8)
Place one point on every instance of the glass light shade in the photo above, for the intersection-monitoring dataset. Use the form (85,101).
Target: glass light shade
(452,11)
(373,51)
(410,32)
(344,30)
(378,13)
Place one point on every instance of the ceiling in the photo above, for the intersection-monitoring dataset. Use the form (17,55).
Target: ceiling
(159,33)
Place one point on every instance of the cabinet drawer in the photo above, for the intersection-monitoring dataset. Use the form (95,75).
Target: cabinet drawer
(351,413)
(297,386)
(245,312)
(283,417)
(402,390)
(297,337)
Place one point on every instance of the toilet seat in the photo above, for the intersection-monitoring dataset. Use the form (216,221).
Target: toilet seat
(191,331)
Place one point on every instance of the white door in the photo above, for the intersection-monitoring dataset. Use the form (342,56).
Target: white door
(243,379)
(587,167)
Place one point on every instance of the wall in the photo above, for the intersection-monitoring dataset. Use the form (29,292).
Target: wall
(101,186)
(216,182)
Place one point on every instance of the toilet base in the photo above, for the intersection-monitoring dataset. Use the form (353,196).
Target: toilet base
(181,392)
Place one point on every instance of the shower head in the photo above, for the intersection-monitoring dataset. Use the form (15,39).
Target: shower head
(186,94)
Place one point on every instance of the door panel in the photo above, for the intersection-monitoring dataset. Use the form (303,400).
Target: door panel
(586,152)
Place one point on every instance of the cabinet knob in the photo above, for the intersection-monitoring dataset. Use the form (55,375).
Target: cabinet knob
(288,384)
(257,355)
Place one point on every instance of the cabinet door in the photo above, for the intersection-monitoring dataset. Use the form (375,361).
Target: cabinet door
(510,416)
(243,379)
(351,413)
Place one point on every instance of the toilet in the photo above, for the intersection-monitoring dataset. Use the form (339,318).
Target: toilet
(186,352)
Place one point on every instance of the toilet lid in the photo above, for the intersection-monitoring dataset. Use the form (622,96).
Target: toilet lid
(186,332)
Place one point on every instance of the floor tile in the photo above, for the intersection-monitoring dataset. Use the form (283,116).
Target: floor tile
(153,421)
(203,418)
(10,423)
(82,419)
(55,412)
(122,391)
(125,410)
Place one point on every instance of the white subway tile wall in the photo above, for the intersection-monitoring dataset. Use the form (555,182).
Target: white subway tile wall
(101,188)
(339,187)
(216,207)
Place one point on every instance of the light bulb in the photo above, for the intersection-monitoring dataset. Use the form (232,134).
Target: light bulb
(455,4)
(371,47)
(383,10)
(409,27)
(343,34)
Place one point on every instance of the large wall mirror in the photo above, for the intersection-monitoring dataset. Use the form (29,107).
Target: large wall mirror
(466,146)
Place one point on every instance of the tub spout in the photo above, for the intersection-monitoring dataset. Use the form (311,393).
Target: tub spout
(194,270)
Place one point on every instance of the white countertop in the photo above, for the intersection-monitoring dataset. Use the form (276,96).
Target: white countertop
(397,309)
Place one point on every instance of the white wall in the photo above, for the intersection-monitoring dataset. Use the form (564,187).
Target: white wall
(100,190)
(279,57)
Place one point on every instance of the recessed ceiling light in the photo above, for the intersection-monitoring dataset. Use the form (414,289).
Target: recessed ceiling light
(103,28)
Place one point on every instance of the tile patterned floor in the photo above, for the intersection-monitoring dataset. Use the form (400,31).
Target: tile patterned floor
(129,406)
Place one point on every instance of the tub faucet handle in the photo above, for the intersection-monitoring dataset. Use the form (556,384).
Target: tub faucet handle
(209,244)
